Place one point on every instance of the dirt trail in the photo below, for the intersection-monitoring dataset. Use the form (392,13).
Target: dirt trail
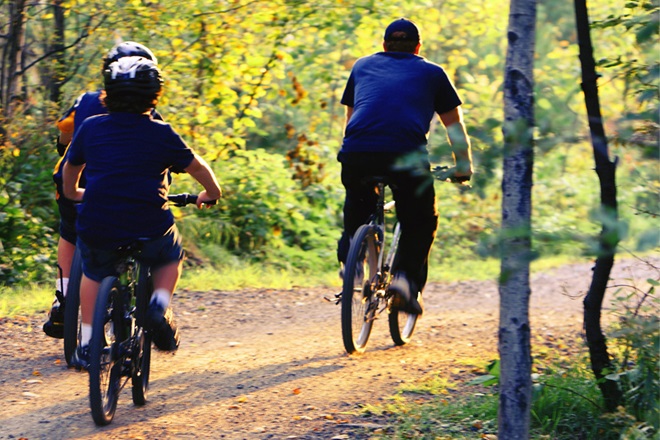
(269,364)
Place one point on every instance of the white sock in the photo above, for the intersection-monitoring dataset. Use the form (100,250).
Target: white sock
(61,284)
(65,285)
(85,333)
(162,296)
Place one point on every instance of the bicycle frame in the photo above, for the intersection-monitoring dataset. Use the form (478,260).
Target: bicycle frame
(385,262)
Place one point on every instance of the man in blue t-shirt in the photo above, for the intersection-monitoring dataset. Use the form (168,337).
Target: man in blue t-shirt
(391,98)
(127,155)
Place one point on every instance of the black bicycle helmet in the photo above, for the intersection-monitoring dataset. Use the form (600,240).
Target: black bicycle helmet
(132,74)
(128,49)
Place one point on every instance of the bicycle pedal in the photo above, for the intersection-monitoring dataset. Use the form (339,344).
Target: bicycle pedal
(337,299)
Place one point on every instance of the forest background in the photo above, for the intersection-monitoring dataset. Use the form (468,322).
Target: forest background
(254,86)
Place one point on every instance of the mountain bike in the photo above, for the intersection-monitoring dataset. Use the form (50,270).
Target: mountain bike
(120,348)
(368,273)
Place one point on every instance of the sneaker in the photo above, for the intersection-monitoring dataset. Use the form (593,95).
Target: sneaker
(54,327)
(406,301)
(80,358)
(164,332)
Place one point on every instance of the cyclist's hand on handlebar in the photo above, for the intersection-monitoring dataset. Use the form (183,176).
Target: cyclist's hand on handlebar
(204,201)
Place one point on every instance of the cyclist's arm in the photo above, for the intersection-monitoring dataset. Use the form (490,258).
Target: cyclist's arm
(202,173)
(349,113)
(459,140)
(65,138)
(70,178)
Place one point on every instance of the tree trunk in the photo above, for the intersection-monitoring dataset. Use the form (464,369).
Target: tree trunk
(11,59)
(57,48)
(606,171)
(514,287)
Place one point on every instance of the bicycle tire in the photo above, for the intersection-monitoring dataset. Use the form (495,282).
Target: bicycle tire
(72,309)
(105,366)
(402,325)
(141,361)
(358,305)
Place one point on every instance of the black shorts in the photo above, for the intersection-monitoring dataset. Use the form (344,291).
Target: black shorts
(154,252)
(68,215)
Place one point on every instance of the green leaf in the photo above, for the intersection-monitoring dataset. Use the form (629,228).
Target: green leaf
(486,380)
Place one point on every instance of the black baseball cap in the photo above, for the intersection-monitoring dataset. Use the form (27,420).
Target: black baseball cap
(402,30)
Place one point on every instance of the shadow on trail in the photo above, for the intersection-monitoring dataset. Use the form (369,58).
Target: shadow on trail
(180,392)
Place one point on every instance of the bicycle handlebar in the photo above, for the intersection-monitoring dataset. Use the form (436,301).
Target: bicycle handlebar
(186,199)
(446,174)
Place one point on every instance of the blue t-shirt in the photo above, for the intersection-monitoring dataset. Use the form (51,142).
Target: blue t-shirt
(86,105)
(394,96)
(127,159)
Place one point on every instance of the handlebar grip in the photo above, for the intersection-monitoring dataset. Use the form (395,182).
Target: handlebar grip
(182,199)
(186,199)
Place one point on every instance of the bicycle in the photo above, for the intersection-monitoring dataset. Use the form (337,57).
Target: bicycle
(368,273)
(120,348)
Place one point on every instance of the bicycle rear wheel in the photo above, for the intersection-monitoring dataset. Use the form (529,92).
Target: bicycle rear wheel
(72,309)
(358,303)
(141,357)
(402,326)
(105,366)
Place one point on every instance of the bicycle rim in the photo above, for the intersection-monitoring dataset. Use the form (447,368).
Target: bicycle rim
(105,363)
(72,309)
(359,305)
(402,326)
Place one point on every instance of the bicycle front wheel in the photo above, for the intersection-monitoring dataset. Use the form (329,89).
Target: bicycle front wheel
(72,309)
(358,302)
(105,360)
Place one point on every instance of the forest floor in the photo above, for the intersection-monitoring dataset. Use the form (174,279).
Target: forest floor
(270,364)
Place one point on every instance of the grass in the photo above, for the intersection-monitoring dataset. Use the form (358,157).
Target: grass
(36,298)
(25,300)
(565,406)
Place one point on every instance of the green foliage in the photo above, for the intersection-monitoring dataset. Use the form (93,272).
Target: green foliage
(27,226)
(265,215)
(636,338)
(491,378)
(638,66)
(268,76)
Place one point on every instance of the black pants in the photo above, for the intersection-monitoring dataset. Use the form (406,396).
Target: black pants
(411,182)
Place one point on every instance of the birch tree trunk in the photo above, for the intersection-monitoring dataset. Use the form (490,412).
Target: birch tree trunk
(514,286)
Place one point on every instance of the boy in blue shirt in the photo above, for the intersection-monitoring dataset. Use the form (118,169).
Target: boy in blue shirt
(127,156)
(86,105)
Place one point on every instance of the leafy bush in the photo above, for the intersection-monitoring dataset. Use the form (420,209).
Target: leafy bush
(265,215)
(27,203)
(636,339)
